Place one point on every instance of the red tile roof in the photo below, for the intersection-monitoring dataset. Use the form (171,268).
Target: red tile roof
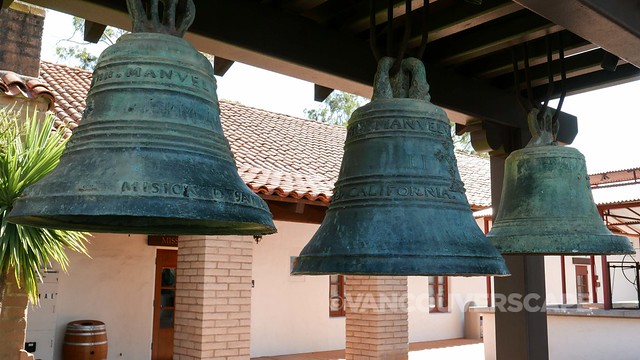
(14,85)
(276,154)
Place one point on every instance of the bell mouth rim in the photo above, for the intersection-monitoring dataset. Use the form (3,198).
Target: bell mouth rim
(400,265)
(549,150)
(257,224)
(522,244)
(147,225)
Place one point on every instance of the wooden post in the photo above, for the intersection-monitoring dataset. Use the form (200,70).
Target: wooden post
(521,318)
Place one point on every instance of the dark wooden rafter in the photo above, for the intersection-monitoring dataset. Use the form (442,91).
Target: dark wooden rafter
(501,62)
(300,6)
(4,4)
(221,65)
(320,93)
(296,210)
(613,25)
(93,31)
(250,32)
(579,64)
(593,81)
(449,18)
(490,37)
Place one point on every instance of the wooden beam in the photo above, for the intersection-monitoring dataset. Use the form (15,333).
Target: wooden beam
(296,212)
(468,17)
(320,93)
(301,48)
(221,65)
(593,81)
(475,98)
(514,29)
(576,65)
(613,25)
(4,4)
(501,62)
(93,31)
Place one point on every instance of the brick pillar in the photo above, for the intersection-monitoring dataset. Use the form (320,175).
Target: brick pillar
(377,323)
(213,298)
(21,38)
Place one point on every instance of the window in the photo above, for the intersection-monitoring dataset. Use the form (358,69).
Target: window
(582,284)
(336,296)
(438,294)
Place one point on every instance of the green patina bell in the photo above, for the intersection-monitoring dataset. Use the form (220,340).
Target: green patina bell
(547,207)
(399,205)
(149,155)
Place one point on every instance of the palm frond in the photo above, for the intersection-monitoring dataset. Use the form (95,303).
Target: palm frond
(31,148)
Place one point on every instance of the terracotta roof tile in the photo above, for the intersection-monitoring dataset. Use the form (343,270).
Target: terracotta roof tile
(476,176)
(276,154)
(14,85)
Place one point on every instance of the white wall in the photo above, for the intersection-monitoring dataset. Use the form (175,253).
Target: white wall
(581,337)
(622,291)
(114,286)
(290,314)
(424,326)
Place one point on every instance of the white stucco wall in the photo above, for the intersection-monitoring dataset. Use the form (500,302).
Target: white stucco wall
(114,286)
(290,314)
(425,326)
(581,337)
(622,290)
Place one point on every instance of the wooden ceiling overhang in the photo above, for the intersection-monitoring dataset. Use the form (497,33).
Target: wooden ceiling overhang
(469,57)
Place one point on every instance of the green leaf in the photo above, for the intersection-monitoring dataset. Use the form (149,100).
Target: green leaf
(336,108)
(30,148)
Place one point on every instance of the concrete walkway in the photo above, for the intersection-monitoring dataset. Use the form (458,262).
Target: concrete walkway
(454,349)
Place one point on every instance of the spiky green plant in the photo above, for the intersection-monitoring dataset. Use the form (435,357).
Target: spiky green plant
(29,150)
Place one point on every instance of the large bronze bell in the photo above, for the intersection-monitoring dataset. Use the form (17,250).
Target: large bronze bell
(149,155)
(399,206)
(547,207)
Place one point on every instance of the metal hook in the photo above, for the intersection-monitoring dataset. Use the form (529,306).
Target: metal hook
(373,36)
(405,39)
(563,79)
(527,78)
(549,79)
(425,28)
(389,27)
(516,76)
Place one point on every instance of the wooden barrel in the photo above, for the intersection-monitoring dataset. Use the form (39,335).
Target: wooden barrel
(85,340)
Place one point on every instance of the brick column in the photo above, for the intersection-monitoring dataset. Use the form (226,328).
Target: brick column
(377,322)
(21,38)
(213,298)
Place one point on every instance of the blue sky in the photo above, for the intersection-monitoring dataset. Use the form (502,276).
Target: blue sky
(608,119)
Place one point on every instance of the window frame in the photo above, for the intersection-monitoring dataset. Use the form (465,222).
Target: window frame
(339,283)
(437,281)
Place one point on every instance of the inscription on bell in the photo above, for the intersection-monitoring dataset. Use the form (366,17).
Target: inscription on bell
(158,188)
(159,74)
(432,126)
(191,191)
(398,191)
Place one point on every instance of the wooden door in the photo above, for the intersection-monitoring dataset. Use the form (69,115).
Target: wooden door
(164,305)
